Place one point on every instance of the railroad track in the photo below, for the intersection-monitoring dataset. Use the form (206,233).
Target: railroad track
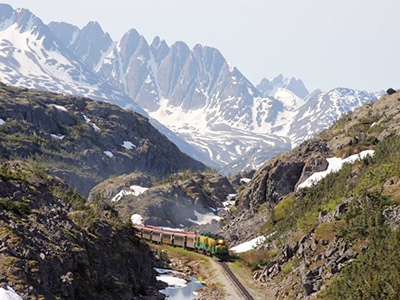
(236,281)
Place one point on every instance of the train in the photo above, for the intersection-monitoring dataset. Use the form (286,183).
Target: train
(206,243)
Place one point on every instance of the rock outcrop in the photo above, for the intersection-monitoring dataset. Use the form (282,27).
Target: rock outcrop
(173,201)
(54,245)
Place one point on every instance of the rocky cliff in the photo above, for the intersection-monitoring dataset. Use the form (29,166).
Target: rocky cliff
(55,245)
(83,141)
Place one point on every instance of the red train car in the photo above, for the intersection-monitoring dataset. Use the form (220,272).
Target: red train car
(167,236)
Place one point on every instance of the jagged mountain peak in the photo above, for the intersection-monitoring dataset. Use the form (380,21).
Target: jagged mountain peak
(41,60)
(159,49)
(268,86)
(23,20)
(65,32)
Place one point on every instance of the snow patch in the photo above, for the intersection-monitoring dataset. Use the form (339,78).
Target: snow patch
(135,190)
(137,219)
(9,294)
(172,281)
(245,180)
(88,121)
(128,145)
(2,122)
(229,202)
(59,107)
(334,165)
(57,136)
(108,153)
(249,245)
(203,219)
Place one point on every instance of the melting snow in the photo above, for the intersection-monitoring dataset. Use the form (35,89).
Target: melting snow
(135,190)
(245,180)
(249,245)
(138,220)
(2,121)
(128,145)
(59,107)
(108,153)
(203,219)
(9,294)
(229,202)
(87,120)
(57,136)
(172,281)
(335,164)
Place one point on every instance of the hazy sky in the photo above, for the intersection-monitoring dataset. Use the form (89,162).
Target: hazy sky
(326,43)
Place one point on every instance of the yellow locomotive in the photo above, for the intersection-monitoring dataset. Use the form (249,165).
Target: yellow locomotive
(208,243)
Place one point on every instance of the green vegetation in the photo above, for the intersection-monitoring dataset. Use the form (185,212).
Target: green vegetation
(375,274)
(18,208)
(372,172)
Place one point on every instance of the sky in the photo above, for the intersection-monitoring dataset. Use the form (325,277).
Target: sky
(326,43)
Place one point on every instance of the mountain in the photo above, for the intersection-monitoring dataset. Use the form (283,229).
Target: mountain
(328,210)
(32,56)
(83,141)
(194,96)
(194,92)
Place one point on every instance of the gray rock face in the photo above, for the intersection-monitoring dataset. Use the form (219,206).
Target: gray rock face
(276,179)
(89,43)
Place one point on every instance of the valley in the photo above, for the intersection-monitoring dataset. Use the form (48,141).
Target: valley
(136,170)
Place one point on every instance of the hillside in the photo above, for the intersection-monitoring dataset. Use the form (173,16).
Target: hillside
(179,200)
(55,245)
(83,141)
(338,235)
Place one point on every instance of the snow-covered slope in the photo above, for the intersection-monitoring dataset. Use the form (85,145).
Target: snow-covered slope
(31,56)
(321,110)
(197,94)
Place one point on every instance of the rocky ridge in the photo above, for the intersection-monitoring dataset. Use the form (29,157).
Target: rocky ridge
(83,141)
(56,245)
